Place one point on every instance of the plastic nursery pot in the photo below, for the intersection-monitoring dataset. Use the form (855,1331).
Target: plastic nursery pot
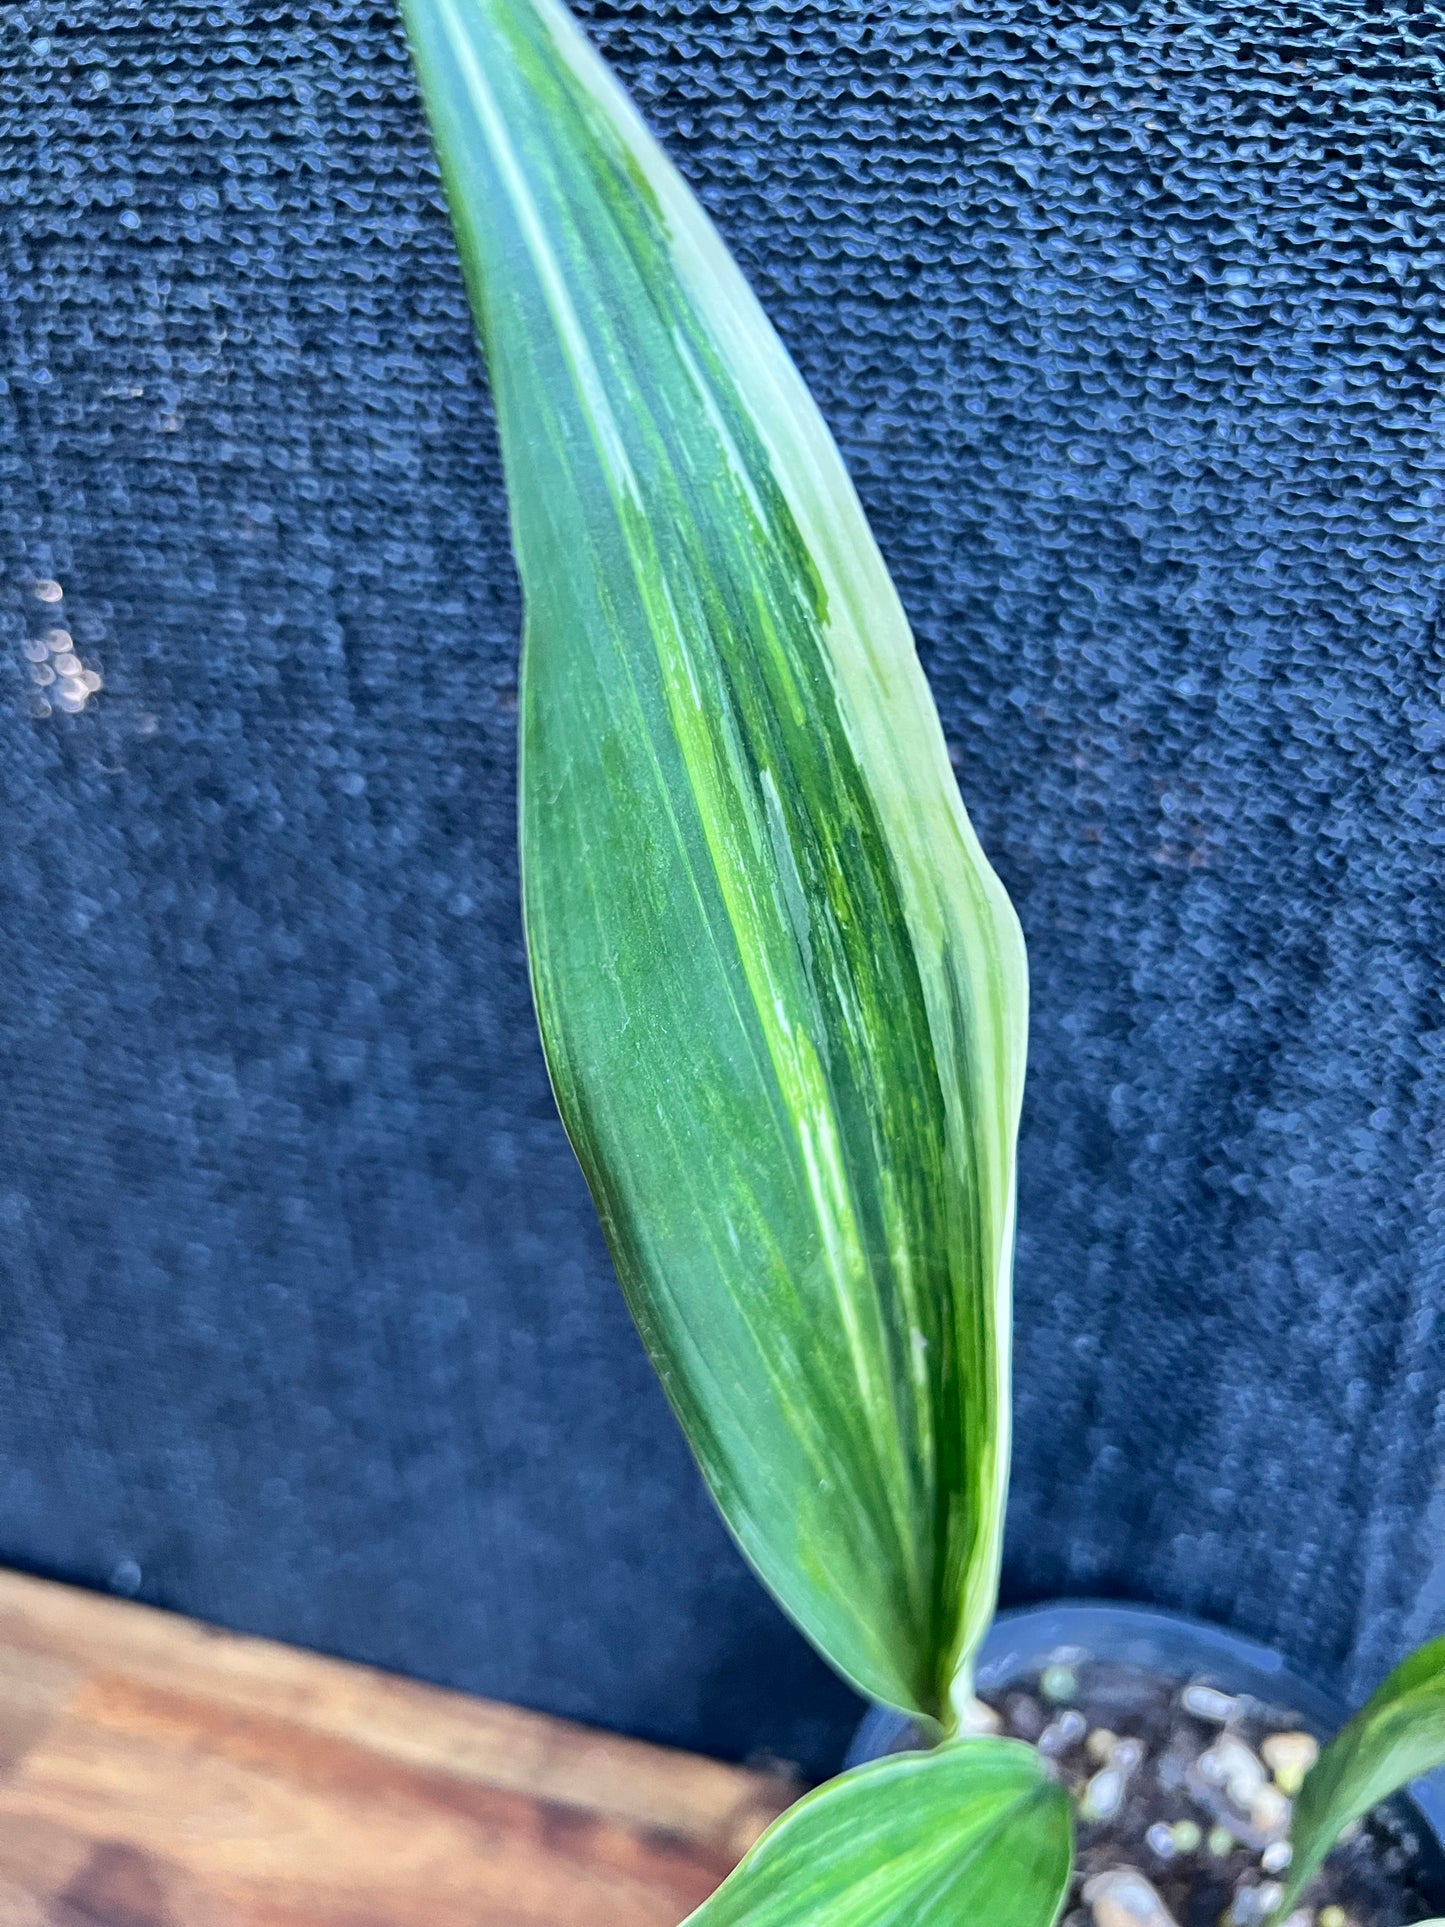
(1170,1648)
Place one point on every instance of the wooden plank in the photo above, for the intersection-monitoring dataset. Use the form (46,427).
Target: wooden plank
(155,1772)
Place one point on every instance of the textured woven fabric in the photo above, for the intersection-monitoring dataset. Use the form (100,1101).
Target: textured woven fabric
(1127,319)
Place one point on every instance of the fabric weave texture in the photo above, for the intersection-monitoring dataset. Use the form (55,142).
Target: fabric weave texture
(1127,319)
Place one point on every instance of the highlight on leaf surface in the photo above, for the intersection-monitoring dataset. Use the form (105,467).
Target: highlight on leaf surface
(782,994)
(1398,1734)
(975,1831)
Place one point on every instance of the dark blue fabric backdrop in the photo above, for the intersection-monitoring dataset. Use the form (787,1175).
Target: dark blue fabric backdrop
(1128,320)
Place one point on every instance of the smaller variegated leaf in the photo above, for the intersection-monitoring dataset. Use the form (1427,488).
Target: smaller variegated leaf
(974,1832)
(1398,1734)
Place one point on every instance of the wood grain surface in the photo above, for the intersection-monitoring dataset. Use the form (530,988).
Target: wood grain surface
(155,1772)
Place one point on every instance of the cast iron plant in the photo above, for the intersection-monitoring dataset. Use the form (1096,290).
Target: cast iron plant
(783,996)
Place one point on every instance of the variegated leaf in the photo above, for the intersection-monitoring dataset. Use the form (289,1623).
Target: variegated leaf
(781,992)
(1398,1734)
(974,1832)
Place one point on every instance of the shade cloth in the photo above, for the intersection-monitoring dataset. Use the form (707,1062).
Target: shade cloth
(1128,320)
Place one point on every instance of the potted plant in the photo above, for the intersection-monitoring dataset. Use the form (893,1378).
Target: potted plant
(784,1004)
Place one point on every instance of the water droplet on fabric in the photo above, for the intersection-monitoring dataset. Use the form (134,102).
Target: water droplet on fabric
(125,1577)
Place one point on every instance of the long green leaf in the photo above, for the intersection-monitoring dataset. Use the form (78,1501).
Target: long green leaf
(781,992)
(1398,1734)
(974,1832)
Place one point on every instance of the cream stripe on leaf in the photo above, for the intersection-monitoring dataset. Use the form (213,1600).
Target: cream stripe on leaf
(782,995)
